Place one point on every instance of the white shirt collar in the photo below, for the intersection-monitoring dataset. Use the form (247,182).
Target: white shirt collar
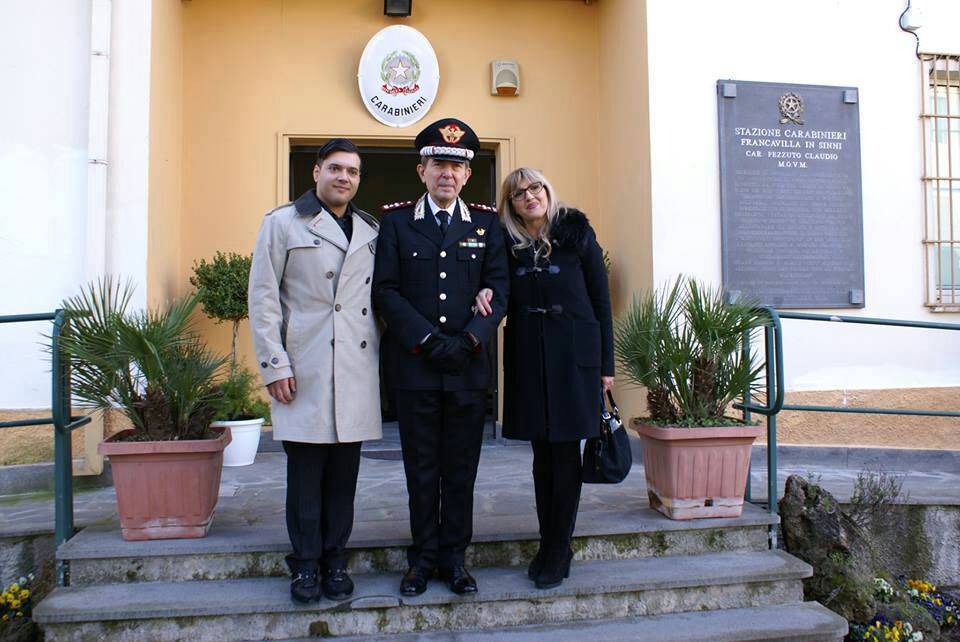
(436,208)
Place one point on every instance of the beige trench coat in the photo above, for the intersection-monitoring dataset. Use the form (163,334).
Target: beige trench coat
(311,319)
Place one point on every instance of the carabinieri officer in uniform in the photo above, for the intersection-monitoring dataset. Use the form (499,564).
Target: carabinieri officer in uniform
(433,256)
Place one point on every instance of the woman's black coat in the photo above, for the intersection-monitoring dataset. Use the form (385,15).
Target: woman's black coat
(558,339)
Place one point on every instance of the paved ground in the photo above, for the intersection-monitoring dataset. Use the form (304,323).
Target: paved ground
(255,494)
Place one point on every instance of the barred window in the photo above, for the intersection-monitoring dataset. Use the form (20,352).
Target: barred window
(940,87)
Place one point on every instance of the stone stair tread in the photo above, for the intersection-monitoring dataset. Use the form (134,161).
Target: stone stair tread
(805,622)
(270,595)
(103,541)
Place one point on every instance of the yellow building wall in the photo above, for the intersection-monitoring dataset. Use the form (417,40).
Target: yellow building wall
(624,178)
(166,152)
(256,69)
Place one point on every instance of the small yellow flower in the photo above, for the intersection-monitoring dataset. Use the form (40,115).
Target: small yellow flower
(19,613)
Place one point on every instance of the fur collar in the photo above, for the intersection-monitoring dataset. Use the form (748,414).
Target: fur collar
(571,228)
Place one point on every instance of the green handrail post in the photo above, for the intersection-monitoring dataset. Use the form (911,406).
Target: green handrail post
(62,446)
(748,492)
(773,349)
(772,370)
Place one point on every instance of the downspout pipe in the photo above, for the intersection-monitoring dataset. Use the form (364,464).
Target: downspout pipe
(98,127)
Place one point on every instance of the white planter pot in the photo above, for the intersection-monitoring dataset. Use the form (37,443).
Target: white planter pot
(242,449)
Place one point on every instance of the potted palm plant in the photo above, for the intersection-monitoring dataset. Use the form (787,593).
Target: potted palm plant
(222,289)
(152,367)
(685,345)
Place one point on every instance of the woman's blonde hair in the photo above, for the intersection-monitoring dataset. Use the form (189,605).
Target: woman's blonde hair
(514,223)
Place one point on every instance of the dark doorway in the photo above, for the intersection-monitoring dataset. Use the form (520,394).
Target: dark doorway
(390,175)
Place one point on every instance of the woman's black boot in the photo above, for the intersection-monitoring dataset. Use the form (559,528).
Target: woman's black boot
(536,564)
(555,570)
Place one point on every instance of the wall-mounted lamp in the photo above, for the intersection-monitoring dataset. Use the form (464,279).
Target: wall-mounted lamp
(397,8)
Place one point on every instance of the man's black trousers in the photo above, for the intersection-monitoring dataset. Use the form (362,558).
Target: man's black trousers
(321,485)
(440,433)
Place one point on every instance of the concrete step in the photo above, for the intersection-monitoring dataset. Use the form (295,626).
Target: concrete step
(806,622)
(98,555)
(260,608)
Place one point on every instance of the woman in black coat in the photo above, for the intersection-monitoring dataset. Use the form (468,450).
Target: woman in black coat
(558,352)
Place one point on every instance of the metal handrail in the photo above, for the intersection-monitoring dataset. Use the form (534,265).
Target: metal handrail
(773,346)
(64,423)
(773,349)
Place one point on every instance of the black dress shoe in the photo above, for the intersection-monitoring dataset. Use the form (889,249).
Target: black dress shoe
(555,570)
(414,582)
(304,587)
(459,580)
(536,564)
(336,584)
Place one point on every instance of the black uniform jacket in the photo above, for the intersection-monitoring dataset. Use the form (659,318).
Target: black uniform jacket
(424,283)
(559,336)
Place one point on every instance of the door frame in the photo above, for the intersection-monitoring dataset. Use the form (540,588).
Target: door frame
(504,148)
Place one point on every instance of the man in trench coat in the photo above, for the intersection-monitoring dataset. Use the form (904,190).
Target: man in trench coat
(317,346)
(433,256)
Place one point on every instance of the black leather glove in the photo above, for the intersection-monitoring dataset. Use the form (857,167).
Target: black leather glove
(432,345)
(449,355)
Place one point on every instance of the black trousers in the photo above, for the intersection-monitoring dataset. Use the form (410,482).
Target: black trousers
(321,485)
(440,433)
(557,484)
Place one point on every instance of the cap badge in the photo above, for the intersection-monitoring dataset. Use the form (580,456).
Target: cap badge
(481,232)
(452,133)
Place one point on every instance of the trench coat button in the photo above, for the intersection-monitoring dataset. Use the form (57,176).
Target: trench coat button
(329,275)
(316,242)
(274,361)
(443,319)
(363,344)
(337,307)
(368,280)
(443,254)
(363,312)
(263,364)
(443,275)
(443,296)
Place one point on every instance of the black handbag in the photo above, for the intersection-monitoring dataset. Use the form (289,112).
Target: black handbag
(607,459)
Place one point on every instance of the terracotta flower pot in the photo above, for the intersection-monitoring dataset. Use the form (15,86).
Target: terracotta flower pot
(165,489)
(696,472)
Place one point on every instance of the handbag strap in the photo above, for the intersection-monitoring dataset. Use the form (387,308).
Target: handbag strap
(614,410)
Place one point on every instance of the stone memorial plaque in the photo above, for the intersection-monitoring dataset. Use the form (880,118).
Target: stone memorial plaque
(790,194)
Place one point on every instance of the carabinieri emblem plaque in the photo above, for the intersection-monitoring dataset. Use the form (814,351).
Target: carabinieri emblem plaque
(398,76)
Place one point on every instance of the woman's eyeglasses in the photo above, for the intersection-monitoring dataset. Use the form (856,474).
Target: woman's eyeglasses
(533,188)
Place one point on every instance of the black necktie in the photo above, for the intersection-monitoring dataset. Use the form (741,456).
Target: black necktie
(444,217)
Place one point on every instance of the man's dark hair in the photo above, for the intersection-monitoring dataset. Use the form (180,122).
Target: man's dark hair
(337,145)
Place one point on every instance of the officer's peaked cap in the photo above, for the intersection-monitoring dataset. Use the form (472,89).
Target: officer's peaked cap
(448,139)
